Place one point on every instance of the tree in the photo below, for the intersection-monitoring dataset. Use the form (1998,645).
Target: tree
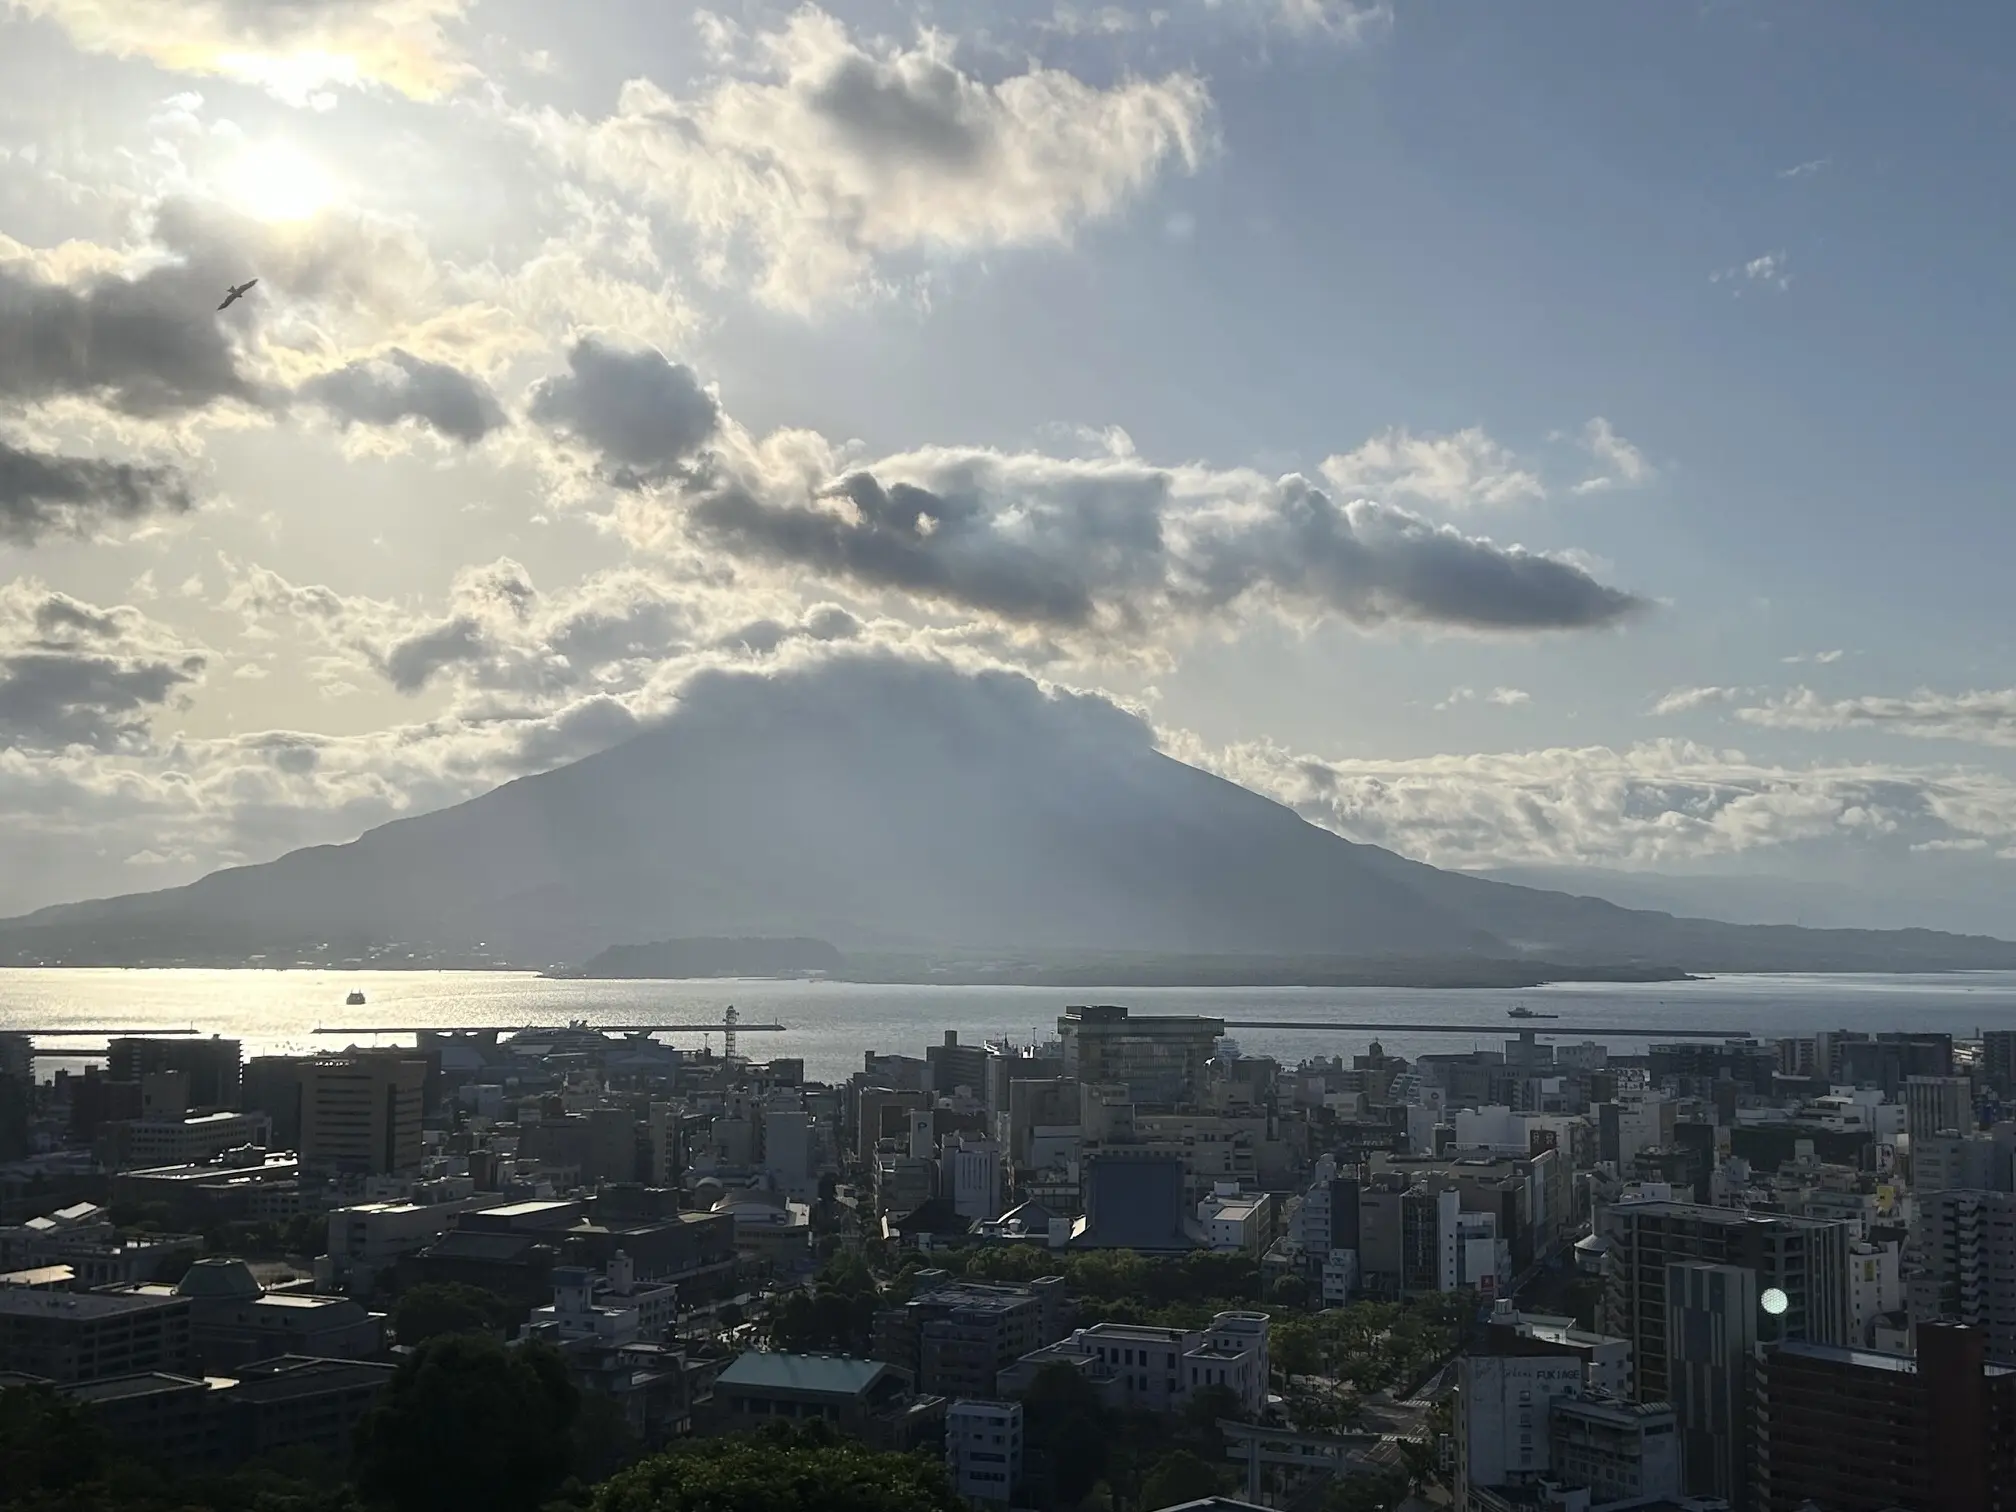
(1289,1291)
(49,1443)
(443,1307)
(467,1422)
(778,1474)
(1066,1423)
(1179,1477)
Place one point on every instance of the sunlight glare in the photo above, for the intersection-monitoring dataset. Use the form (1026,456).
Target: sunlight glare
(276,181)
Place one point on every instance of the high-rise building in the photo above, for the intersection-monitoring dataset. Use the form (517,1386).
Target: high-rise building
(1711,1328)
(972,1176)
(1888,1060)
(272,1085)
(1998,1059)
(1805,1258)
(1966,1265)
(1937,1105)
(360,1111)
(953,1065)
(1160,1060)
(212,1066)
(1852,1430)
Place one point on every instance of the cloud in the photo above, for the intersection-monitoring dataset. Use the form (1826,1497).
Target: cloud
(1504,698)
(1980,718)
(1102,546)
(47,493)
(1817,658)
(295,49)
(146,345)
(73,674)
(397,386)
(1806,169)
(822,158)
(644,416)
(1621,464)
(1455,471)
(1687,700)
(1657,804)
(1768,273)
(1111,548)
(1350,22)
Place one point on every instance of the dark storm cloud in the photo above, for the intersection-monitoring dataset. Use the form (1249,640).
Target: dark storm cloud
(921,112)
(61,617)
(1373,563)
(643,415)
(411,662)
(398,386)
(53,699)
(150,345)
(1116,548)
(46,493)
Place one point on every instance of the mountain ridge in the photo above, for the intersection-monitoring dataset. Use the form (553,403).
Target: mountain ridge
(893,805)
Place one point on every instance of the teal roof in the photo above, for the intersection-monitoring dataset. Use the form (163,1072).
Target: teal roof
(836,1375)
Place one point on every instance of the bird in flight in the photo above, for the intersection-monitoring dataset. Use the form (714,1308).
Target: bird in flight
(236,292)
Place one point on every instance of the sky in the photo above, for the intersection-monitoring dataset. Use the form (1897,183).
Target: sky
(1564,434)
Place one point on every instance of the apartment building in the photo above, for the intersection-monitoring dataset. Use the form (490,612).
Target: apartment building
(1807,1259)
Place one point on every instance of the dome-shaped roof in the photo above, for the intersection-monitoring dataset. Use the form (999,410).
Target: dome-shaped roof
(218,1277)
(749,1196)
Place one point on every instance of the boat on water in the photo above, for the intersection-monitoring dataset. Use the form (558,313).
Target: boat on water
(355,1000)
(1523,1012)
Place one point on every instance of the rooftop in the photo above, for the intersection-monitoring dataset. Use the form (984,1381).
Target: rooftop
(1867,1359)
(127,1387)
(21,1302)
(836,1375)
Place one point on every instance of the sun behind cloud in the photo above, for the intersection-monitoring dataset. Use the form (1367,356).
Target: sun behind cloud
(277,181)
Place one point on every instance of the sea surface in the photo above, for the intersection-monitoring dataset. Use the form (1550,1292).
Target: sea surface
(831,1024)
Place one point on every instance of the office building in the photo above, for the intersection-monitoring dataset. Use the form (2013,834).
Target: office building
(1711,1330)
(1998,1060)
(272,1085)
(952,1066)
(863,1399)
(953,1340)
(210,1065)
(1851,1430)
(1159,1059)
(971,1176)
(190,1140)
(361,1111)
(1937,1105)
(234,1321)
(1606,1361)
(1623,1453)
(983,1449)
(1137,1367)
(1888,1060)
(85,1336)
(1500,1416)
(1805,1258)
(188,1423)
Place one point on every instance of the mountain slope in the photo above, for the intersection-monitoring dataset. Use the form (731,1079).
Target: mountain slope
(886,804)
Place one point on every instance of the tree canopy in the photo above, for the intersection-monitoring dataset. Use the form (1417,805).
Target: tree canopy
(468,1422)
(769,1475)
(444,1307)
